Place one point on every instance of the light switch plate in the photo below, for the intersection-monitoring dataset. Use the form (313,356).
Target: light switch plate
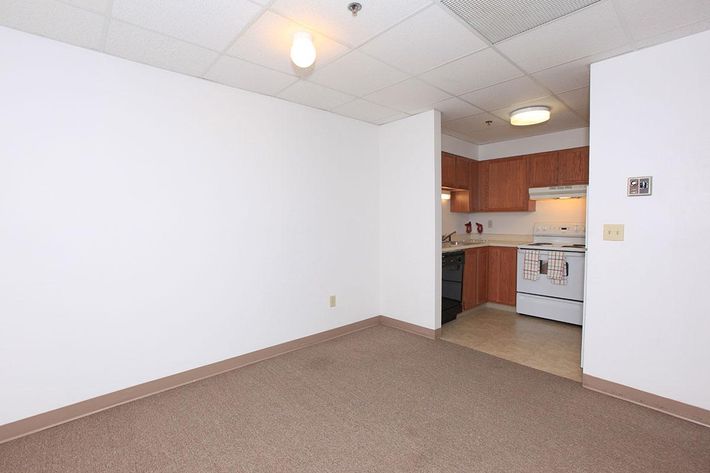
(639,186)
(614,232)
(332,301)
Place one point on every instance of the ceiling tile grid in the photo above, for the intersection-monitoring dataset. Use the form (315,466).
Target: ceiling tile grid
(394,59)
(55,20)
(130,42)
(435,36)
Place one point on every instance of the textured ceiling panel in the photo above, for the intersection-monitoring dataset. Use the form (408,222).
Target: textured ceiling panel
(497,20)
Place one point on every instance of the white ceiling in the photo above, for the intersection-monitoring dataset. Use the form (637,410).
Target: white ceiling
(396,58)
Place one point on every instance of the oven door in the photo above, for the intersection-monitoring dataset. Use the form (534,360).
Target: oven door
(573,290)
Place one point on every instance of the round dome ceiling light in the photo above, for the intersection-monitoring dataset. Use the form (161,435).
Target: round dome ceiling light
(530,115)
(303,52)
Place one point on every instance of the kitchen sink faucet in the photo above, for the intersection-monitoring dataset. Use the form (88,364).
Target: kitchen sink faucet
(447,237)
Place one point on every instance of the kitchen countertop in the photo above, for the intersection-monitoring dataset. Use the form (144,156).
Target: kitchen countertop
(509,241)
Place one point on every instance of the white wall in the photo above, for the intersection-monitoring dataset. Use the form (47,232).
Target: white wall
(535,144)
(453,145)
(410,217)
(647,320)
(151,222)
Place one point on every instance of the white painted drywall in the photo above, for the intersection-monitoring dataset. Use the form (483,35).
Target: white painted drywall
(647,320)
(535,144)
(152,222)
(410,219)
(516,223)
(453,145)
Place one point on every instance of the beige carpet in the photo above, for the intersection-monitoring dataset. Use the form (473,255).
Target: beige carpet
(379,400)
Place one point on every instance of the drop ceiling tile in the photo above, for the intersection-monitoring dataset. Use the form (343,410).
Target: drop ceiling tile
(367,111)
(333,19)
(428,39)
(130,42)
(506,93)
(100,6)
(268,42)
(357,74)
(577,100)
(54,20)
(411,96)
(474,123)
(214,24)
(647,18)
(314,95)
(592,30)
(555,105)
(476,71)
(574,74)
(454,108)
(244,75)
(674,34)
(506,133)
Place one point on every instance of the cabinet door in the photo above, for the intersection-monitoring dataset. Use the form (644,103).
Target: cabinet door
(461,172)
(474,194)
(483,186)
(542,169)
(573,166)
(508,185)
(448,170)
(502,268)
(470,279)
(482,276)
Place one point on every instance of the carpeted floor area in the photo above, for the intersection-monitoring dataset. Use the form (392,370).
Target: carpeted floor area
(379,400)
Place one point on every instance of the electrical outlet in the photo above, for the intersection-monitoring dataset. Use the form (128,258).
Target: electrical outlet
(332,301)
(490,224)
(614,232)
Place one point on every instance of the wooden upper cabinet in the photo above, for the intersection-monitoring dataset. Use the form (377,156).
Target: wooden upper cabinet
(448,170)
(483,185)
(543,169)
(461,172)
(474,186)
(502,274)
(573,166)
(507,184)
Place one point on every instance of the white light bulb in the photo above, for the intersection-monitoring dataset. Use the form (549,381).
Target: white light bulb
(303,52)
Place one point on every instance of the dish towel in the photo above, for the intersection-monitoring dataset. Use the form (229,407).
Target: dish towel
(531,264)
(556,268)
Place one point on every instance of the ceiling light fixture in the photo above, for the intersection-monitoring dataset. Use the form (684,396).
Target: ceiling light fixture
(303,52)
(530,115)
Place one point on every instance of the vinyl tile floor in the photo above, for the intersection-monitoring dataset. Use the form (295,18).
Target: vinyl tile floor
(546,345)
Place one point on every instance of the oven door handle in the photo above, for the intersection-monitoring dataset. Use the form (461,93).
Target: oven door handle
(566,269)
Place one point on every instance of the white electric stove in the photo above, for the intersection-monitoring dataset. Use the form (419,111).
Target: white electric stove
(543,298)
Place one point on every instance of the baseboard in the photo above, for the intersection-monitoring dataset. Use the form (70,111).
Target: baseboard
(64,414)
(411,328)
(663,404)
(71,412)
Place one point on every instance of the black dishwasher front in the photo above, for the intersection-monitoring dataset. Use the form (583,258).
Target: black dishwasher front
(451,285)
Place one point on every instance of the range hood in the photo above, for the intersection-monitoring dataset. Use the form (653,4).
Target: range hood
(558,192)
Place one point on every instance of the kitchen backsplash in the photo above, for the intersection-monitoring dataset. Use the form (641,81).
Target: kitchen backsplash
(515,223)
